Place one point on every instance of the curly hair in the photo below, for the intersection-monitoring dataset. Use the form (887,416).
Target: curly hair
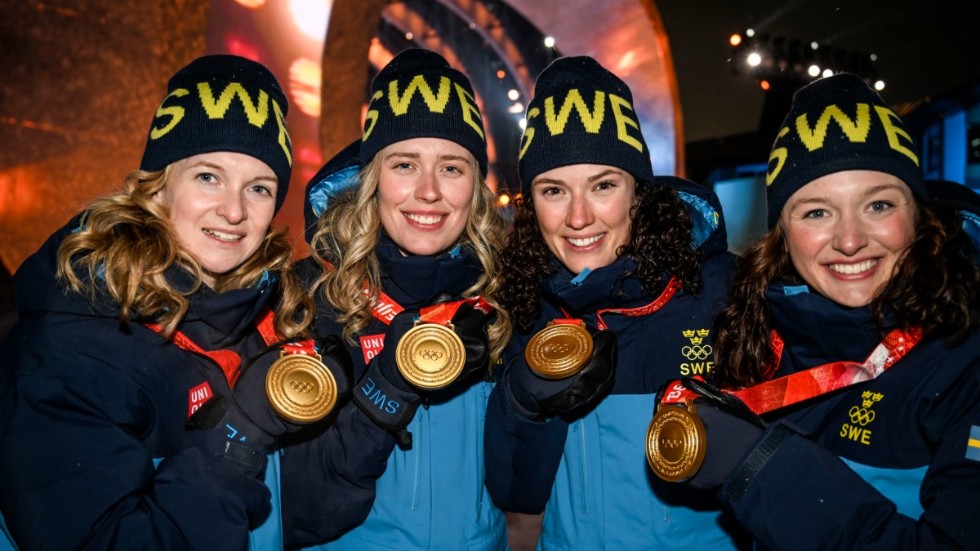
(128,240)
(659,244)
(934,288)
(348,233)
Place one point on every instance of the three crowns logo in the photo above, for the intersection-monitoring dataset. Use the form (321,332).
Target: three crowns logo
(696,337)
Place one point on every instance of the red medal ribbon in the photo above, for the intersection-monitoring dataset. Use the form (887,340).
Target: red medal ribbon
(384,308)
(803,385)
(668,293)
(228,360)
(443,312)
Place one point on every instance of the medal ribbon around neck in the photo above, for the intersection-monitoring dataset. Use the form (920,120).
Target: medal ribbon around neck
(299,387)
(676,440)
(430,355)
(809,383)
(564,346)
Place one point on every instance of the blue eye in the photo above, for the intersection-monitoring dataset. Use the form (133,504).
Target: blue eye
(880,206)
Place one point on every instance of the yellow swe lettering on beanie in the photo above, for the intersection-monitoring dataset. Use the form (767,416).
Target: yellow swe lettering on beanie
(591,120)
(283,138)
(528,131)
(175,111)
(623,120)
(371,118)
(256,114)
(435,102)
(893,132)
(779,154)
(471,115)
(856,131)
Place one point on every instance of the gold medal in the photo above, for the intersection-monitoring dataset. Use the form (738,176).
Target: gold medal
(676,442)
(430,355)
(300,388)
(559,351)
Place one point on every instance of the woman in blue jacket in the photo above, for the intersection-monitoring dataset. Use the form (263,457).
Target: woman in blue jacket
(414,238)
(152,310)
(638,267)
(860,271)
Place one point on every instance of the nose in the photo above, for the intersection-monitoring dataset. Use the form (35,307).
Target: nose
(428,187)
(579,213)
(232,208)
(850,235)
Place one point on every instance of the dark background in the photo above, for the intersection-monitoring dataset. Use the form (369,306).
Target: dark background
(925,49)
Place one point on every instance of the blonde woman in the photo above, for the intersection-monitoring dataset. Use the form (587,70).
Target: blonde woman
(133,412)
(415,239)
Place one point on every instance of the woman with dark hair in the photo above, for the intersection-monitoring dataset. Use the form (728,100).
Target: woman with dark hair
(405,267)
(860,305)
(133,410)
(612,277)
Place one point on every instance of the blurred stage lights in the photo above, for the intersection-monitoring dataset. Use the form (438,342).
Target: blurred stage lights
(776,59)
(311,16)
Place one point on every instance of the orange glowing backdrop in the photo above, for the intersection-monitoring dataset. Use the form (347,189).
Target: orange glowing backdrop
(83,77)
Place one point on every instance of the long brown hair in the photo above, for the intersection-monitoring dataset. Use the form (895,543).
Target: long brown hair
(934,287)
(128,240)
(659,244)
(348,233)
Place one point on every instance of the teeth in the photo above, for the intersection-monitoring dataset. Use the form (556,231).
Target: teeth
(424,219)
(223,236)
(850,269)
(584,241)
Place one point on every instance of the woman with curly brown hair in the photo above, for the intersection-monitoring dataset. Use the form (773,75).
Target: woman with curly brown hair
(853,330)
(133,410)
(612,277)
(405,267)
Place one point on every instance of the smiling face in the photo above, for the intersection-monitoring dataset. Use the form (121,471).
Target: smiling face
(584,213)
(847,231)
(220,205)
(425,189)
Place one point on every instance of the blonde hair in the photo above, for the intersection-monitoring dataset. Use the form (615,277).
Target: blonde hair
(348,233)
(128,241)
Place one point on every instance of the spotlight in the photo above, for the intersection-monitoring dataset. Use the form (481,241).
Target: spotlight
(735,39)
(754,59)
(813,70)
(549,41)
(879,85)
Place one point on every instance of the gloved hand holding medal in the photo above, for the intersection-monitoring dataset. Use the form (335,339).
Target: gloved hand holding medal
(433,354)
(560,350)
(300,386)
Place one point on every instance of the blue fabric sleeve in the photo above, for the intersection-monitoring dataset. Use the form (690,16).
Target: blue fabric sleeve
(329,479)
(521,455)
(791,493)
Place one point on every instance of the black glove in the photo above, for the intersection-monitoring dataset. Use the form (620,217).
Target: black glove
(382,393)
(471,326)
(244,429)
(542,398)
(335,356)
(731,430)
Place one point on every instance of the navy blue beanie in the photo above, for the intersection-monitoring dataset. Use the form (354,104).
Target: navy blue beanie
(222,103)
(418,95)
(835,124)
(582,114)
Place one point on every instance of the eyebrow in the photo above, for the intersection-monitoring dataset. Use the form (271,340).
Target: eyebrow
(208,164)
(592,178)
(447,157)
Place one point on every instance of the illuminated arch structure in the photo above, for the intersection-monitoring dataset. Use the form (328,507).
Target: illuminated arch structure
(74,108)
(499,45)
